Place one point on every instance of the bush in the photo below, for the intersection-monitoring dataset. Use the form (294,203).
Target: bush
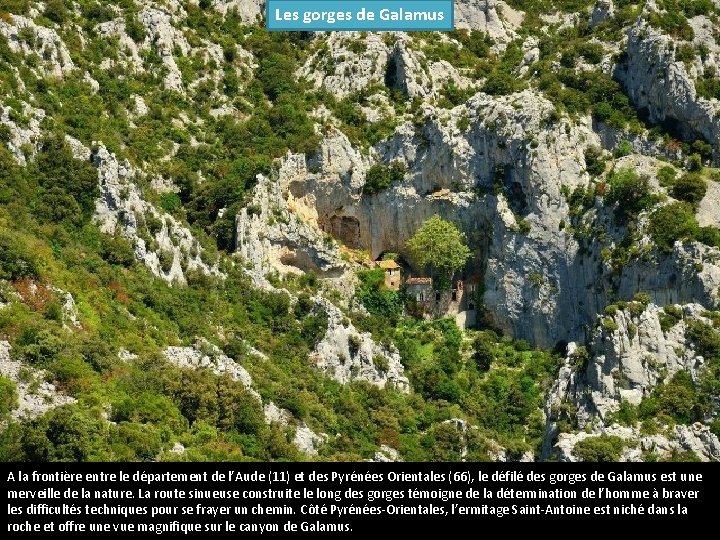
(705,338)
(117,250)
(666,175)
(170,202)
(671,223)
(602,449)
(631,192)
(167,258)
(56,11)
(8,397)
(483,354)
(500,83)
(594,163)
(676,398)
(380,177)
(376,298)
(624,148)
(16,262)
(691,188)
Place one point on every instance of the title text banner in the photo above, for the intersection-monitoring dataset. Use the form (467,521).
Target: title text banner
(321,15)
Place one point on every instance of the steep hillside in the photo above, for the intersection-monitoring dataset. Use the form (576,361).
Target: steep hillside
(205,234)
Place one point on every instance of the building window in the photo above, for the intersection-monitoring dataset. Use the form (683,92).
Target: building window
(454,296)
(471,306)
(437,296)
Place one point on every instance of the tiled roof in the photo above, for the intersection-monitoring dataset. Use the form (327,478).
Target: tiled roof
(419,281)
(387,265)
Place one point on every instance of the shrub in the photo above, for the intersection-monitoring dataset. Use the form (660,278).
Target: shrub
(380,177)
(483,354)
(56,11)
(631,192)
(375,297)
(705,338)
(691,188)
(135,29)
(670,317)
(670,223)
(666,175)
(605,448)
(381,362)
(166,259)
(170,202)
(624,148)
(676,399)
(594,163)
(500,83)
(8,397)
(117,250)
(16,262)
(627,414)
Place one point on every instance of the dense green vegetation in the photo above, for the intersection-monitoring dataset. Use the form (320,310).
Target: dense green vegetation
(381,176)
(605,448)
(137,408)
(677,221)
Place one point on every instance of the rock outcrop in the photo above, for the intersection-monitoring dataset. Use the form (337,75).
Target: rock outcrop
(161,242)
(22,138)
(249,11)
(204,354)
(494,17)
(632,351)
(26,37)
(696,439)
(601,12)
(660,85)
(340,67)
(35,395)
(163,35)
(345,354)
(272,238)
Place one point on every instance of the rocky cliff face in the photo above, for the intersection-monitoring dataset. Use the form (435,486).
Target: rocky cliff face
(662,86)
(163,244)
(632,351)
(508,168)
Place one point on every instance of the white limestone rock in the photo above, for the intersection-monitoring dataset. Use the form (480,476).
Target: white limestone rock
(340,70)
(27,38)
(121,209)
(495,17)
(345,354)
(36,396)
(661,85)
(272,238)
(250,11)
(204,354)
(23,137)
(166,37)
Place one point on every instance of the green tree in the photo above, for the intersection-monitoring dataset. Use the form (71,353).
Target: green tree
(440,245)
